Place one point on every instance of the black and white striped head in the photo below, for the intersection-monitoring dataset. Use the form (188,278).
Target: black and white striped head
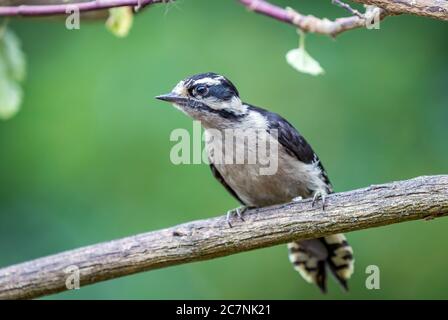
(209,98)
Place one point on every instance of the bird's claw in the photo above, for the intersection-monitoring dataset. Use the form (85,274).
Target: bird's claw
(317,195)
(238,212)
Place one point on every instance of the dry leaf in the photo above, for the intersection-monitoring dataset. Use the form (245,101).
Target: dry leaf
(12,71)
(120,21)
(300,60)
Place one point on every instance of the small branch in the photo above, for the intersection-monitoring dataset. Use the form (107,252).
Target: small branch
(348,8)
(419,198)
(67,8)
(437,9)
(308,23)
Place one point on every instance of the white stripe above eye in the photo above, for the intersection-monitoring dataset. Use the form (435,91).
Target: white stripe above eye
(209,81)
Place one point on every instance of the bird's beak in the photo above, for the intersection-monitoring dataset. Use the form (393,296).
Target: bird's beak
(173,98)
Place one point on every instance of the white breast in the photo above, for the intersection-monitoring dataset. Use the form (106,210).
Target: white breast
(292,178)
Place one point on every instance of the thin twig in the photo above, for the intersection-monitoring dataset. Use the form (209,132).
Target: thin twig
(348,8)
(67,8)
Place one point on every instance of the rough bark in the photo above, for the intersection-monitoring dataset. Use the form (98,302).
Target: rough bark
(378,205)
(437,9)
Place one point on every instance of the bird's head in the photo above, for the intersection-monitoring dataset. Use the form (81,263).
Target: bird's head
(209,98)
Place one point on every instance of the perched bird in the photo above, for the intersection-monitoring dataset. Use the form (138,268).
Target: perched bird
(215,102)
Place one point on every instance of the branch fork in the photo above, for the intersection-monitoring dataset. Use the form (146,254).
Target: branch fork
(436,9)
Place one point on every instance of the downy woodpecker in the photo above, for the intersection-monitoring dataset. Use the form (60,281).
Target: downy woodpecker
(215,102)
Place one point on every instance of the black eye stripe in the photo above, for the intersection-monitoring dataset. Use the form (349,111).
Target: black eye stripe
(221,92)
(227,114)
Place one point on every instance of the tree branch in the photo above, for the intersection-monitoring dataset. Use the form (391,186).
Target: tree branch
(310,23)
(67,8)
(437,9)
(419,198)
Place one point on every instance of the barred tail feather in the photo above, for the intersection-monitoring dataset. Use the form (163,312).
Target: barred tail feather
(311,258)
(340,258)
(310,266)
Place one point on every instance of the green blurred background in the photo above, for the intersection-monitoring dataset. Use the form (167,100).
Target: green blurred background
(87,158)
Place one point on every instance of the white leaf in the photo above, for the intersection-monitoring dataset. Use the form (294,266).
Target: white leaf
(120,21)
(10,98)
(12,71)
(13,55)
(300,60)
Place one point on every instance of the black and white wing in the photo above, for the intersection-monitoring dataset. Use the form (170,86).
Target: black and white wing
(293,142)
(335,252)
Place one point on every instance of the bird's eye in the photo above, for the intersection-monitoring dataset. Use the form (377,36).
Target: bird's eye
(201,90)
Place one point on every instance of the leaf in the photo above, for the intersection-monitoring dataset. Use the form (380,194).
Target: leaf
(12,72)
(10,98)
(300,60)
(14,57)
(120,21)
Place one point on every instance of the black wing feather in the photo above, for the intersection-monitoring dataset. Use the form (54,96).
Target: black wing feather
(293,142)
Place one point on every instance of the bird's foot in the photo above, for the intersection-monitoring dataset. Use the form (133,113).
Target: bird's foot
(319,194)
(236,212)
